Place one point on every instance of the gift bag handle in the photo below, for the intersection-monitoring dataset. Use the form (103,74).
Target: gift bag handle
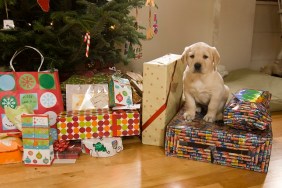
(23,49)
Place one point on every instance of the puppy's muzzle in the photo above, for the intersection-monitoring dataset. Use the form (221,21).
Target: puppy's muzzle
(197,67)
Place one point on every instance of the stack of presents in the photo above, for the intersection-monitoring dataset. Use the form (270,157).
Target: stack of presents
(97,116)
(242,140)
(37,130)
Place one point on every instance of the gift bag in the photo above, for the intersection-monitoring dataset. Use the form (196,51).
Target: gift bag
(120,92)
(87,96)
(39,89)
(36,136)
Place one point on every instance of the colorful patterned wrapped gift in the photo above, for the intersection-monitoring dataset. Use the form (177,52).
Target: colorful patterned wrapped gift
(120,92)
(218,144)
(248,110)
(102,147)
(87,124)
(37,144)
(162,96)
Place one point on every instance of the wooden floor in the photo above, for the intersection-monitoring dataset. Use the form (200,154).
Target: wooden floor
(145,166)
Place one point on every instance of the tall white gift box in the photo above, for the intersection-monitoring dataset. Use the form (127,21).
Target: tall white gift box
(162,96)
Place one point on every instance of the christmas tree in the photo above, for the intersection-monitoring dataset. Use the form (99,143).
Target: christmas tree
(62,30)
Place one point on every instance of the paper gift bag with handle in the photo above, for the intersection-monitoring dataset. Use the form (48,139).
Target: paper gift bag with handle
(39,89)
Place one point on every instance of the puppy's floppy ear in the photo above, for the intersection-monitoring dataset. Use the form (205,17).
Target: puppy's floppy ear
(184,56)
(216,57)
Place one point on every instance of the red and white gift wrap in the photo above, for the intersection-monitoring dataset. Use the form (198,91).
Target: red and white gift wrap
(67,149)
(102,147)
(162,96)
(79,125)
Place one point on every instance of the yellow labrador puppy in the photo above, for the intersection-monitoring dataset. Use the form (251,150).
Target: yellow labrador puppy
(203,85)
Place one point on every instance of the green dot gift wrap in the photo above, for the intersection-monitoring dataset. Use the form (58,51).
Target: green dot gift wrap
(98,123)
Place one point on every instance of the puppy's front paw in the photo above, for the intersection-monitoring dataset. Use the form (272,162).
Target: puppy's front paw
(209,118)
(189,116)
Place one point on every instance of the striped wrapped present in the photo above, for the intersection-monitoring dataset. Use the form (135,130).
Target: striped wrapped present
(248,110)
(219,144)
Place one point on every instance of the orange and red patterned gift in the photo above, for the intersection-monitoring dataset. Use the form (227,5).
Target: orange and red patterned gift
(77,125)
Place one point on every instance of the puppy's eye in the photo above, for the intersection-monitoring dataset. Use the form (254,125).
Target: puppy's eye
(205,57)
(192,56)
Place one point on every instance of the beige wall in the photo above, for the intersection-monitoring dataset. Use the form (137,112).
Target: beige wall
(267,32)
(181,23)
(236,33)
(226,24)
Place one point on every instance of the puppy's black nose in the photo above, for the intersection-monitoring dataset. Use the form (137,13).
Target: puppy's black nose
(197,66)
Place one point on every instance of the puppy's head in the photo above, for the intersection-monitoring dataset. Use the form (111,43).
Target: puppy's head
(201,58)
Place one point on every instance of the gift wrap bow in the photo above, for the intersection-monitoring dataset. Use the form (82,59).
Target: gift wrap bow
(61,145)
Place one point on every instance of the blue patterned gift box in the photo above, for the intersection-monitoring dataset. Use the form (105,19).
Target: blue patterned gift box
(219,144)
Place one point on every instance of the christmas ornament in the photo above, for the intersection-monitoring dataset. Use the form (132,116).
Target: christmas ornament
(136,18)
(150,30)
(44,4)
(138,52)
(87,40)
(7,24)
(134,51)
(150,3)
(119,97)
(155,26)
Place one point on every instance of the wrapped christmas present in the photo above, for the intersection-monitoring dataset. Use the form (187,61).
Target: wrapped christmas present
(37,141)
(102,147)
(10,150)
(248,110)
(162,96)
(67,151)
(218,144)
(78,125)
(87,78)
(120,91)
(136,81)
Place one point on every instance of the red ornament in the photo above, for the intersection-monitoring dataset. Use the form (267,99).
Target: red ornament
(119,97)
(44,4)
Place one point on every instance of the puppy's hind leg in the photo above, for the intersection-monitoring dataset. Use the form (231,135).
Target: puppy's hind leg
(219,115)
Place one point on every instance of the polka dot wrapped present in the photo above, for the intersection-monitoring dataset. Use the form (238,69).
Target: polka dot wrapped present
(79,125)
(162,95)
(39,89)
(248,109)
(218,143)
